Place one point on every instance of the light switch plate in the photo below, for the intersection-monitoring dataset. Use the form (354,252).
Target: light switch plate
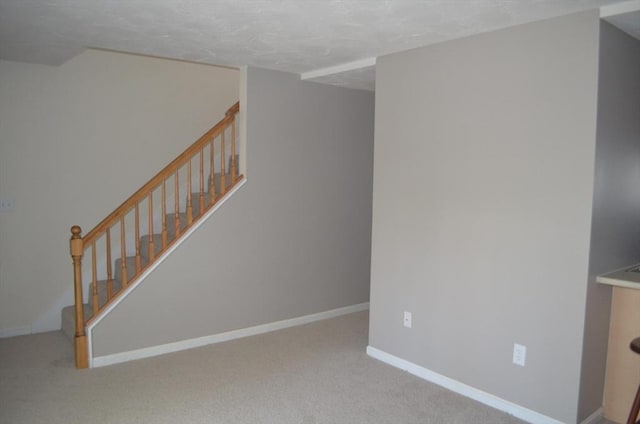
(7,205)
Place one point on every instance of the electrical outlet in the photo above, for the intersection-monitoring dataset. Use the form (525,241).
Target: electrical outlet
(519,354)
(7,205)
(407,319)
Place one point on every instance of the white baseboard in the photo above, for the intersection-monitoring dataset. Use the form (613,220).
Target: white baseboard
(16,331)
(455,386)
(595,417)
(148,352)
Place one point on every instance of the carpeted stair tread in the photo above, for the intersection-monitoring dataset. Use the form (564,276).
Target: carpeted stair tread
(216,181)
(69,319)
(237,163)
(157,245)
(102,291)
(195,203)
(68,313)
(131,267)
(171,224)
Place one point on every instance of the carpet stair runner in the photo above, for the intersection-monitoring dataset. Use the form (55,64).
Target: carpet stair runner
(68,313)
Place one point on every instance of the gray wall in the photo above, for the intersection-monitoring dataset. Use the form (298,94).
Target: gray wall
(295,240)
(615,228)
(484,153)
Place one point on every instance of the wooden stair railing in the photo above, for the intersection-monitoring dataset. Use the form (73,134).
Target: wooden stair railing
(128,213)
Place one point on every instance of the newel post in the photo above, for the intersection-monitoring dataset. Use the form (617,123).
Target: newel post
(75,245)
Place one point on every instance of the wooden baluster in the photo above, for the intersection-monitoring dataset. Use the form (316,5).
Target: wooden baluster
(109,272)
(201,202)
(177,205)
(234,169)
(223,183)
(138,258)
(77,250)
(152,250)
(212,174)
(123,253)
(189,205)
(164,214)
(94,279)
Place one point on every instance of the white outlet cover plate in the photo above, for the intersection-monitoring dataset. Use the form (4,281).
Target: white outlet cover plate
(519,354)
(407,319)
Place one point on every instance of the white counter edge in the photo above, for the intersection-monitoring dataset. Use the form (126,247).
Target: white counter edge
(621,278)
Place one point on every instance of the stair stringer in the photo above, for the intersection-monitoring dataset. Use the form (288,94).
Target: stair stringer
(159,259)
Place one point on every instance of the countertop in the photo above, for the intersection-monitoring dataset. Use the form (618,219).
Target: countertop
(628,277)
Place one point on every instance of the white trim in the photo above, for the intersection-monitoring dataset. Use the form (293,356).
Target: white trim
(242,125)
(344,67)
(154,265)
(619,8)
(463,389)
(148,352)
(594,418)
(16,331)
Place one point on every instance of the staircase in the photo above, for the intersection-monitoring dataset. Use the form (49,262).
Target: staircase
(205,166)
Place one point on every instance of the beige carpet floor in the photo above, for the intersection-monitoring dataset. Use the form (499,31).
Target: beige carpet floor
(316,373)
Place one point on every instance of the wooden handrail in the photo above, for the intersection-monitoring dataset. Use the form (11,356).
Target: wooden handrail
(160,176)
(233,109)
(118,217)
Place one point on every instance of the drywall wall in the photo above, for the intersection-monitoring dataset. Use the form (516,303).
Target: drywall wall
(483,176)
(75,142)
(293,241)
(615,227)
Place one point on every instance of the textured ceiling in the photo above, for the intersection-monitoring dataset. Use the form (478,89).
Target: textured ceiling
(290,35)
